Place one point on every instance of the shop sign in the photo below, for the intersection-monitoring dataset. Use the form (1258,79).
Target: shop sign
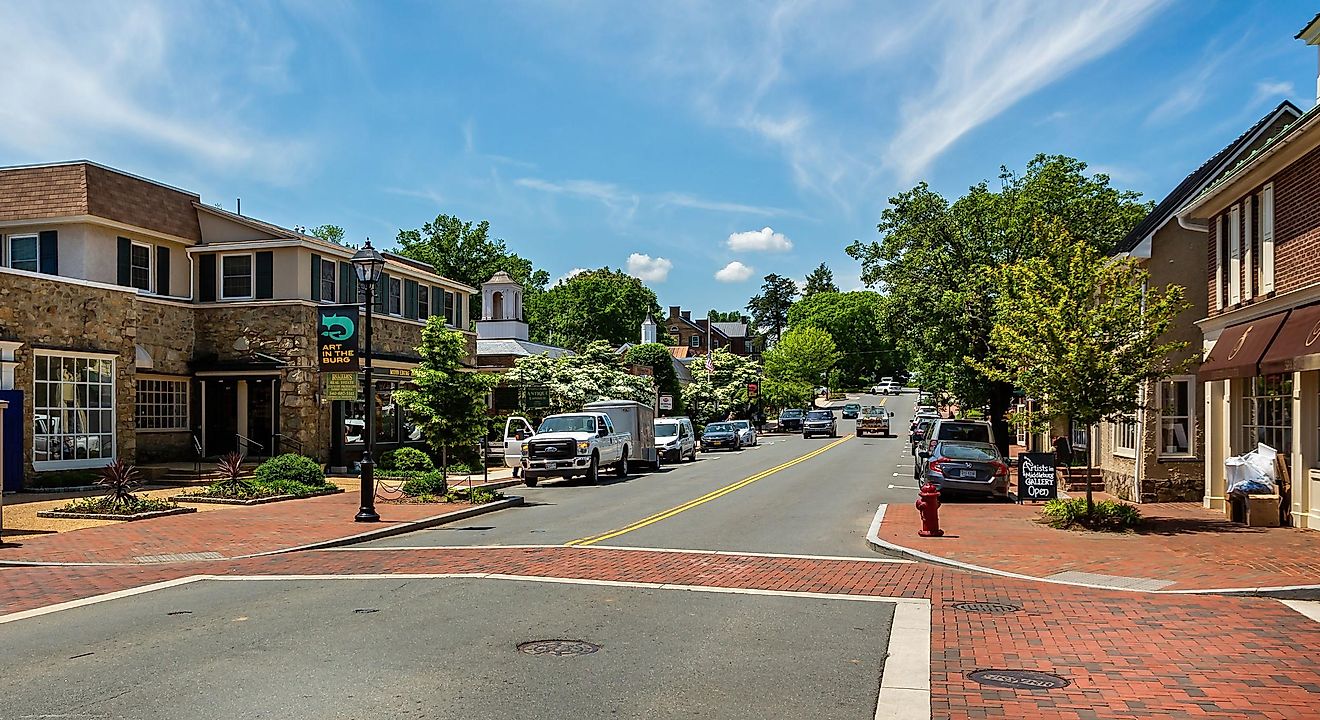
(666,402)
(342,386)
(400,372)
(337,338)
(753,389)
(1037,477)
(538,396)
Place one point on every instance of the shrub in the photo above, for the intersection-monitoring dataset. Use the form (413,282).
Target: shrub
(119,478)
(291,468)
(481,496)
(429,483)
(231,482)
(103,505)
(1108,515)
(407,459)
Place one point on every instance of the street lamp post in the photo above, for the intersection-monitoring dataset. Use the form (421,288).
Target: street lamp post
(367,263)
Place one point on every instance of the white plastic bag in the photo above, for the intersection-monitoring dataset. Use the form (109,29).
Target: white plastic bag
(1253,473)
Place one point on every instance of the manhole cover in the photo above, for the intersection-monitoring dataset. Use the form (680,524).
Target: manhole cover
(558,648)
(1018,679)
(987,607)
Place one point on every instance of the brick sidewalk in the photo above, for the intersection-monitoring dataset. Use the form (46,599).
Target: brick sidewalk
(1182,546)
(1125,656)
(230,533)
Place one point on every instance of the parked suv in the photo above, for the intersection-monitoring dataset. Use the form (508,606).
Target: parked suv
(675,440)
(819,422)
(976,431)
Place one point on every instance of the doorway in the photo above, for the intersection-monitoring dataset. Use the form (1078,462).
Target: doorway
(220,416)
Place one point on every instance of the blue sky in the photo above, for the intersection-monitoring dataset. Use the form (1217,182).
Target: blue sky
(664,138)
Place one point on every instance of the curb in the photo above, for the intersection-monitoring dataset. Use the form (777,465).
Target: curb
(873,540)
(380,533)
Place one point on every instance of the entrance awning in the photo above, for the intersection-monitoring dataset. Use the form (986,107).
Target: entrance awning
(1297,346)
(1239,349)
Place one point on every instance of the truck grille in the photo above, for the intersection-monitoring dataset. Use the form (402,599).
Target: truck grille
(551,450)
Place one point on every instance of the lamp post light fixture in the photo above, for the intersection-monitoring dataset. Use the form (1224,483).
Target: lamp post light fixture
(367,263)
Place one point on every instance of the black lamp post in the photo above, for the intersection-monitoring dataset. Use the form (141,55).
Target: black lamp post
(368,263)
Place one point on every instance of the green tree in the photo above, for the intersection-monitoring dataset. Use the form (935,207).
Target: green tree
(858,324)
(596,373)
(713,394)
(937,260)
(769,309)
(330,233)
(599,304)
(721,316)
(465,252)
(447,402)
(804,355)
(1082,330)
(820,280)
(657,357)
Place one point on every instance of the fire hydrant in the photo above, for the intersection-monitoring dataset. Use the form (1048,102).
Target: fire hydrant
(928,504)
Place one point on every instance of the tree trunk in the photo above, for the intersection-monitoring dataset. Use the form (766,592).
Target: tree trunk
(444,464)
(1001,399)
(1090,503)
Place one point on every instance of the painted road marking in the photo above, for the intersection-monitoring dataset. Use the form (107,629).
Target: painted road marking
(664,514)
(612,548)
(904,487)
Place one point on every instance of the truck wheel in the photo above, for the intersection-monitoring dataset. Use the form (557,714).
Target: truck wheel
(529,479)
(621,467)
(859,433)
(593,471)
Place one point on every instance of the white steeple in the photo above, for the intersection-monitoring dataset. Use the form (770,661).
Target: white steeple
(649,333)
(501,309)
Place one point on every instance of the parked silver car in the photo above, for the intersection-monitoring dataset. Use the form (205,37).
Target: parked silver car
(959,466)
(746,433)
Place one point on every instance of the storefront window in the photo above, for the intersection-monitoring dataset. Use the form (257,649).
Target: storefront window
(73,411)
(1267,412)
(387,413)
(388,418)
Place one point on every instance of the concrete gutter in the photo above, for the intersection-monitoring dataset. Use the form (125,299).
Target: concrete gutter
(1293,592)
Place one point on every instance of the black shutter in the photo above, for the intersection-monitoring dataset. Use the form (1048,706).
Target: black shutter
(265,274)
(162,270)
(382,291)
(347,283)
(206,281)
(125,276)
(50,252)
(410,299)
(316,277)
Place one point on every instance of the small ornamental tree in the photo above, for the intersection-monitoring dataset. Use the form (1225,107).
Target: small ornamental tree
(448,401)
(1081,331)
(713,394)
(596,373)
(658,358)
(804,355)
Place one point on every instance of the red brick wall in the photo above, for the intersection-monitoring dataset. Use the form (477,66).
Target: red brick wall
(1297,224)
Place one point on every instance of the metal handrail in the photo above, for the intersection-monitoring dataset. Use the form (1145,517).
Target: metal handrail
(281,439)
(197,463)
(245,445)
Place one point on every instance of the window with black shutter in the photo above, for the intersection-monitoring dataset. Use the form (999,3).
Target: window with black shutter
(423,302)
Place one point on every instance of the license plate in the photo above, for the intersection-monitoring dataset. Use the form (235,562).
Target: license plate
(967,474)
(551,465)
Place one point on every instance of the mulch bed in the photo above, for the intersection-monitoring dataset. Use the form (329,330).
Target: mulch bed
(110,516)
(251,501)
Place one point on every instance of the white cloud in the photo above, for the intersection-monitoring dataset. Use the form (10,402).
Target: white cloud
(763,240)
(570,274)
(645,267)
(691,201)
(1271,89)
(734,272)
(608,194)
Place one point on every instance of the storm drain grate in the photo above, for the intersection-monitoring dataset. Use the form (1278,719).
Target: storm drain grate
(1018,679)
(558,648)
(987,607)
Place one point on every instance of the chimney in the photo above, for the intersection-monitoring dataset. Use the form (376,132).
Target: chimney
(687,315)
(674,311)
(1311,36)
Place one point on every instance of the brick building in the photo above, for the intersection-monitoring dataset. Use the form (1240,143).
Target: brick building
(700,336)
(1261,375)
(137,322)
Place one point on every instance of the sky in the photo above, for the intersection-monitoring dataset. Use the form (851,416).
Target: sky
(696,145)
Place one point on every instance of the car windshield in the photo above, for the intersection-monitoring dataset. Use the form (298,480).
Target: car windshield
(743,424)
(719,428)
(967,432)
(791,414)
(873,412)
(819,415)
(852,406)
(966,451)
(666,429)
(569,423)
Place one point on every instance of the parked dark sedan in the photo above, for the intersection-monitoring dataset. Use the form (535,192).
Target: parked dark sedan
(722,436)
(851,411)
(969,467)
(791,420)
(819,422)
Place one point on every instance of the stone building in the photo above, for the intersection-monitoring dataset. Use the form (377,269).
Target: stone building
(137,322)
(1155,454)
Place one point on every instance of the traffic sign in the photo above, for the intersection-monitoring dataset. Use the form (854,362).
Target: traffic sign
(666,402)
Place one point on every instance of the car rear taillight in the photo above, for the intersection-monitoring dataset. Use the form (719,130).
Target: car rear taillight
(936,466)
(1000,468)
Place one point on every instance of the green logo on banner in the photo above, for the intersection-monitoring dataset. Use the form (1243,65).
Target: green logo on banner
(337,327)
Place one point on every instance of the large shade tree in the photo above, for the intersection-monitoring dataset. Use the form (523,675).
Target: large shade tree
(938,261)
(466,252)
(858,324)
(593,305)
(769,308)
(820,280)
(723,389)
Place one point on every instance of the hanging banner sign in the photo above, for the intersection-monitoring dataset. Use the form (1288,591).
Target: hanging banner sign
(342,386)
(337,338)
(1037,477)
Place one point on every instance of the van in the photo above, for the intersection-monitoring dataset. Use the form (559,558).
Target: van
(675,439)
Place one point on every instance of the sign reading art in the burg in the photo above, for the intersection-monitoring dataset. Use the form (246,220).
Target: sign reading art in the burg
(1037,477)
(337,338)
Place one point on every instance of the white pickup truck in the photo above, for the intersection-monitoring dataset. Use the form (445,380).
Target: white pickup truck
(573,445)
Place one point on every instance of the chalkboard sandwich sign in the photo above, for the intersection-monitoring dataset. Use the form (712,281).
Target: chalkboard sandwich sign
(1037,477)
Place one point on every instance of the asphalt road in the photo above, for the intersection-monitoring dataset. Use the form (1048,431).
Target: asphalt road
(821,505)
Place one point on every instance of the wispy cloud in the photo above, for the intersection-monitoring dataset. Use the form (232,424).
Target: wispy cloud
(763,240)
(692,201)
(734,272)
(616,197)
(430,196)
(997,54)
(106,76)
(649,269)
(1272,90)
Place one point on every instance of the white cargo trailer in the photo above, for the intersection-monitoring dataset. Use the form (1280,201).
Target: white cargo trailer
(635,418)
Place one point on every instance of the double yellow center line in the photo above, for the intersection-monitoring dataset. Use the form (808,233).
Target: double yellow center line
(593,539)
